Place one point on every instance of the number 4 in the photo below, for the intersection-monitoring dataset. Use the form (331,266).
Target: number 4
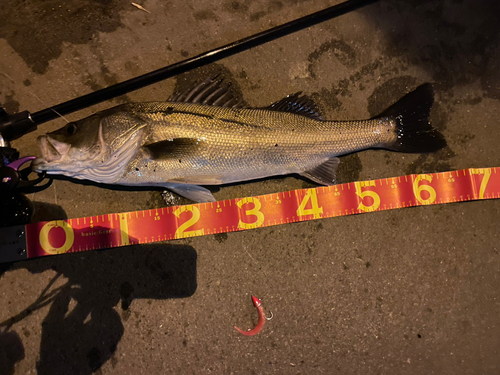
(315,210)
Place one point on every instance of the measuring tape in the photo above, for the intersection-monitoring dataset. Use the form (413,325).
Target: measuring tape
(164,224)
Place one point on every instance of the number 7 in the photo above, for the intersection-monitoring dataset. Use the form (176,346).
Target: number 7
(486,176)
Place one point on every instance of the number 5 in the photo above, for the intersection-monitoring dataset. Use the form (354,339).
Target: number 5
(367,193)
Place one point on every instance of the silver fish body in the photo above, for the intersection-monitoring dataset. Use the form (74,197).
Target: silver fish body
(180,145)
(230,145)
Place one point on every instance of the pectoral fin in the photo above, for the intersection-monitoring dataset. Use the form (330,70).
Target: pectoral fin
(325,173)
(172,148)
(193,192)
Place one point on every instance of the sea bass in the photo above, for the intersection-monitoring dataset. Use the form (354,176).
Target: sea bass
(204,137)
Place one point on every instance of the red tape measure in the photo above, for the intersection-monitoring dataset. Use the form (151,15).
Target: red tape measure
(163,224)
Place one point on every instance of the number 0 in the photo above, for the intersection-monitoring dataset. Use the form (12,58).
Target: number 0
(44,237)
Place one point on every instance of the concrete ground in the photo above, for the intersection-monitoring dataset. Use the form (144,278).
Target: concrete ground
(410,291)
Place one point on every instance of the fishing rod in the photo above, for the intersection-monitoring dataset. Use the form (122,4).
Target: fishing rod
(14,181)
(16,125)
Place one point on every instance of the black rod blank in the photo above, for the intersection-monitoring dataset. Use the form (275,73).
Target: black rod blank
(197,61)
(180,67)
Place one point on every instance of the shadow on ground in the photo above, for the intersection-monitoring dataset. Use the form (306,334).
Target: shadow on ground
(455,41)
(84,324)
(11,351)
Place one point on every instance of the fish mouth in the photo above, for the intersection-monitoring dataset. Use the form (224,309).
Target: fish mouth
(52,151)
(49,151)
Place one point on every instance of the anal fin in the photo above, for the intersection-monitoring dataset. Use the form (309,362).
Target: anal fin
(325,173)
(193,192)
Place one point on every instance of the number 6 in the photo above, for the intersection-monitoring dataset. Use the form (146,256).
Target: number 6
(417,190)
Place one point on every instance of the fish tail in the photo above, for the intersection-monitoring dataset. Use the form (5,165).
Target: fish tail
(414,133)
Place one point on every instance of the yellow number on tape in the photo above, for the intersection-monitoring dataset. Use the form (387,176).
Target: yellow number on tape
(44,237)
(253,211)
(124,230)
(367,193)
(315,210)
(181,231)
(417,189)
(486,172)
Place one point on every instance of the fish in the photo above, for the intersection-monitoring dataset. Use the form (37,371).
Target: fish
(205,136)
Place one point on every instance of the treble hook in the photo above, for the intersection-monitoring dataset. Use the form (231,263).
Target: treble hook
(262,319)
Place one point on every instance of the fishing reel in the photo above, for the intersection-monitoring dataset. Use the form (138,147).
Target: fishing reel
(14,182)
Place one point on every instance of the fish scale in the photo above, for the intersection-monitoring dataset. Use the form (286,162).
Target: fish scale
(181,145)
(266,143)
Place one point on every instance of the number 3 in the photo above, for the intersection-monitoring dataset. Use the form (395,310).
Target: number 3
(253,211)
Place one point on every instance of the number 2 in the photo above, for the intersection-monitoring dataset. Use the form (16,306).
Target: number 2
(181,231)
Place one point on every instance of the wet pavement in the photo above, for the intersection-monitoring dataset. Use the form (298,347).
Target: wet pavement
(408,291)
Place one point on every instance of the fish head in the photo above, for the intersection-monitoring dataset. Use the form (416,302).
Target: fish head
(73,147)
(93,148)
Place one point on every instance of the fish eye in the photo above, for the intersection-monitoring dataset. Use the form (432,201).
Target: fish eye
(71,129)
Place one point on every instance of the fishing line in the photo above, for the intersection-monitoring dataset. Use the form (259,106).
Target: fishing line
(33,94)
(50,108)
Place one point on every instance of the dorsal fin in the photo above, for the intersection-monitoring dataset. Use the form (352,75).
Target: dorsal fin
(211,91)
(295,103)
